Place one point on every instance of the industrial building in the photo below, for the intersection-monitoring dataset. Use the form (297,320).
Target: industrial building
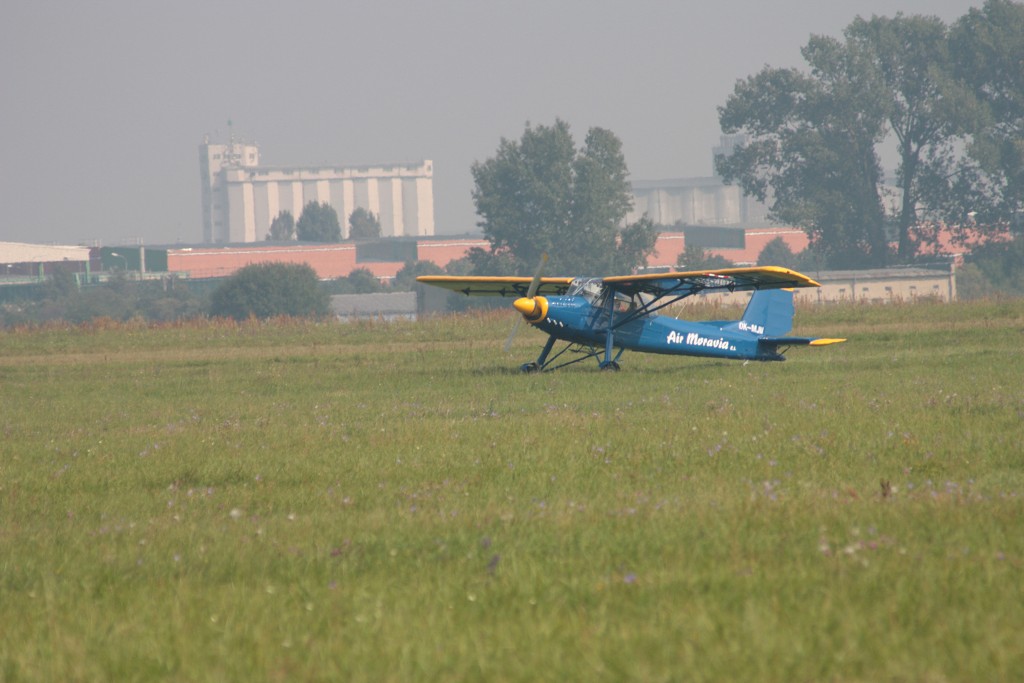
(883,285)
(705,201)
(241,197)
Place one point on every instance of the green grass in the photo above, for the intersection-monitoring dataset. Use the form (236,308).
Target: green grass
(300,501)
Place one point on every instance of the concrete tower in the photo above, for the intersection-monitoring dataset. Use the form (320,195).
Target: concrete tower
(214,159)
(241,198)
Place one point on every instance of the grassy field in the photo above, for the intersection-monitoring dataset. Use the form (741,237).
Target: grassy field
(298,501)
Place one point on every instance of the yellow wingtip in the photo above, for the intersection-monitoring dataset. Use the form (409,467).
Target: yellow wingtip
(826,342)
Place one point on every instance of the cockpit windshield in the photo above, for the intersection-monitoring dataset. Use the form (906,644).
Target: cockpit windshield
(587,287)
(592,289)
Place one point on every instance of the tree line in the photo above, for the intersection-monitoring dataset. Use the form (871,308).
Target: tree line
(260,290)
(318,222)
(947,100)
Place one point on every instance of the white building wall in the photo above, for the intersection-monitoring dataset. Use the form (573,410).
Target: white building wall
(298,200)
(395,206)
(261,208)
(251,197)
(425,206)
(704,208)
(22,252)
(309,192)
(383,213)
(373,201)
(284,195)
(349,202)
(323,191)
(273,202)
(214,161)
(236,213)
(361,194)
(694,201)
(249,212)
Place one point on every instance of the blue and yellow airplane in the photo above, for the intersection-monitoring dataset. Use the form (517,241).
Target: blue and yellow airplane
(602,317)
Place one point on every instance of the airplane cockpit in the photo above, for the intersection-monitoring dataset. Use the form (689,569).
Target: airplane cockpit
(593,290)
(589,288)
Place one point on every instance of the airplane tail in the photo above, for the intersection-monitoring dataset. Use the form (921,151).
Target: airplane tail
(769,313)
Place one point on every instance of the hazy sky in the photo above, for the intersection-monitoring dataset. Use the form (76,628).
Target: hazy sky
(103,104)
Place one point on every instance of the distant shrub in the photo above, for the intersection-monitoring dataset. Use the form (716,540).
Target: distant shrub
(267,290)
(405,279)
(62,299)
(993,269)
(359,281)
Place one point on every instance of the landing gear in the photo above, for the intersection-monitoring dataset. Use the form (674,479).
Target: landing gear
(610,363)
(542,360)
(548,361)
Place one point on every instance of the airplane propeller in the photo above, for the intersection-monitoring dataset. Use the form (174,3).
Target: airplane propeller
(530,293)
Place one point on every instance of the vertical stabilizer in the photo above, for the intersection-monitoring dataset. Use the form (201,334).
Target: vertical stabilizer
(769,313)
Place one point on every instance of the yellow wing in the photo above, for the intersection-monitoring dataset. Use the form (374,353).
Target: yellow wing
(496,286)
(692,282)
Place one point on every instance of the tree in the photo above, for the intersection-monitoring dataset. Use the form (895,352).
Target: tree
(540,194)
(777,253)
(282,228)
(318,223)
(695,258)
(993,269)
(62,284)
(939,92)
(491,262)
(266,290)
(363,281)
(363,225)
(405,279)
(812,149)
(928,109)
(359,281)
(461,267)
(989,44)
(636,242)
(117,299)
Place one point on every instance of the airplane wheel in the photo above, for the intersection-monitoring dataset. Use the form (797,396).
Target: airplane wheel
(529,367)
(611,366)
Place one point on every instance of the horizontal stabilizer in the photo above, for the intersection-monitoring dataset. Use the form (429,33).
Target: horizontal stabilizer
(798,341)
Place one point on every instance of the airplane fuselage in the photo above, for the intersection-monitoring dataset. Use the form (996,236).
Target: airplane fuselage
(595,316)
(575,319)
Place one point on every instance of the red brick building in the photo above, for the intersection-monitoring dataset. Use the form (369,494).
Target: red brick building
(385,258)
(740,246)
